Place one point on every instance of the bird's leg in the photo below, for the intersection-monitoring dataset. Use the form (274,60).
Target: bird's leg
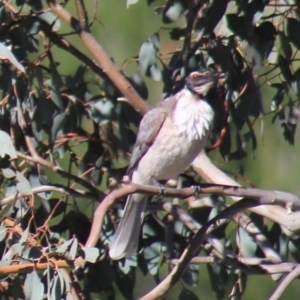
(196,189)
(160,186)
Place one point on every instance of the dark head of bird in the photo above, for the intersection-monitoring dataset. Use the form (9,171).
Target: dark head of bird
(201,82)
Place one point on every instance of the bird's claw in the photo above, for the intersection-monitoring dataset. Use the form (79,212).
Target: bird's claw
(161,191)
(196,189)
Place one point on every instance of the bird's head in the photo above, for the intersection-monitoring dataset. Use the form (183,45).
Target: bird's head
(201,82)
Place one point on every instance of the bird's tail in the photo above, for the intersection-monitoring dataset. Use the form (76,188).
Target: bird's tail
(126,238)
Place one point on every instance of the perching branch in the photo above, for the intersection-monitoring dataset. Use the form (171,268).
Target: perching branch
(260,196)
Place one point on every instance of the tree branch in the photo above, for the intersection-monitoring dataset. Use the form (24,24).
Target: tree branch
(193,248)
(27,268)
(39,160)
(51,188)
(284,283)
(210,173)
(260,196)
(102,58)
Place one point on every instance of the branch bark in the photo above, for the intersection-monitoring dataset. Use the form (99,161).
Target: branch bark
(210,173)
(108,67)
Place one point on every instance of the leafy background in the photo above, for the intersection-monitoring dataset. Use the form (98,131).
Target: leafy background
(122,32)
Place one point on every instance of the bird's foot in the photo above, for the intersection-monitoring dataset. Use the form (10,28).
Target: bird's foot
(160,187)
(196,189)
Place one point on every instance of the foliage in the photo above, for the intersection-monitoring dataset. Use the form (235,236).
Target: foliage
(65,140)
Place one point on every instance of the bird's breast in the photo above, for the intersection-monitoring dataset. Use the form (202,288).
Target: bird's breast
(171,153)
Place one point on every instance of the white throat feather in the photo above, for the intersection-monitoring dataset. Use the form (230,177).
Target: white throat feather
(192,115)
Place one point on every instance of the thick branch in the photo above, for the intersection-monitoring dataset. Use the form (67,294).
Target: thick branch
(260,196)
(27,268)
(210,173)
(102,58)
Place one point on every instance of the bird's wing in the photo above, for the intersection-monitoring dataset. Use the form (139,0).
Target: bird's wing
(149,129)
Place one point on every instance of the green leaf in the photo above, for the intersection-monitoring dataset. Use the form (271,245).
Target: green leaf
(6,54)
(23,185)
(177,33)
(174,11)
(58,122)
(285,68)
(6,210)
(186,294)
(51,19)
(155,72)
(3,232)
(73,249)
(56,288)
(247,245)
(131,2)
(237,25)
(66,280)
(152,256)
(191,275)
(64,247)
(103,111)
(283,46)
(91,254)
(32,253)
(8,173)
(292,31)
(155,41)
(33,287)
(7,147)
(147,56)
(35,181)
(24,237)
(129,263)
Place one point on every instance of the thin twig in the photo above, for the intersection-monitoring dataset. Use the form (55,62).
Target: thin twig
(49,189)
(39,160)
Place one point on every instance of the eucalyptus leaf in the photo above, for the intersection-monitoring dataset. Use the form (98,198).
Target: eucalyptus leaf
(247,246)
(7,147)
(292,30)
(23,185)
(147,56)
(33,286)
(8,173)
(91,254)
(6,54)
(131,2)
(3,231)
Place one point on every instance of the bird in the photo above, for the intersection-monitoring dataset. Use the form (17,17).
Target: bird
(169,138)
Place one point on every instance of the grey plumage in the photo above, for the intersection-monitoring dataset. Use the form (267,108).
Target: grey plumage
(170,137)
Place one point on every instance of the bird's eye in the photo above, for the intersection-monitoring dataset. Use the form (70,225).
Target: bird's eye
(196,76)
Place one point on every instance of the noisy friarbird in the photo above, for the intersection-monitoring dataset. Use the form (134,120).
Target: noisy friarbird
(169,138)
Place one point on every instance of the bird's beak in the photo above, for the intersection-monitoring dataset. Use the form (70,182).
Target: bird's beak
(220,75)
(213,77)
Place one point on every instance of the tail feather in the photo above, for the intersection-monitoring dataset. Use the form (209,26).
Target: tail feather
(126,238)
